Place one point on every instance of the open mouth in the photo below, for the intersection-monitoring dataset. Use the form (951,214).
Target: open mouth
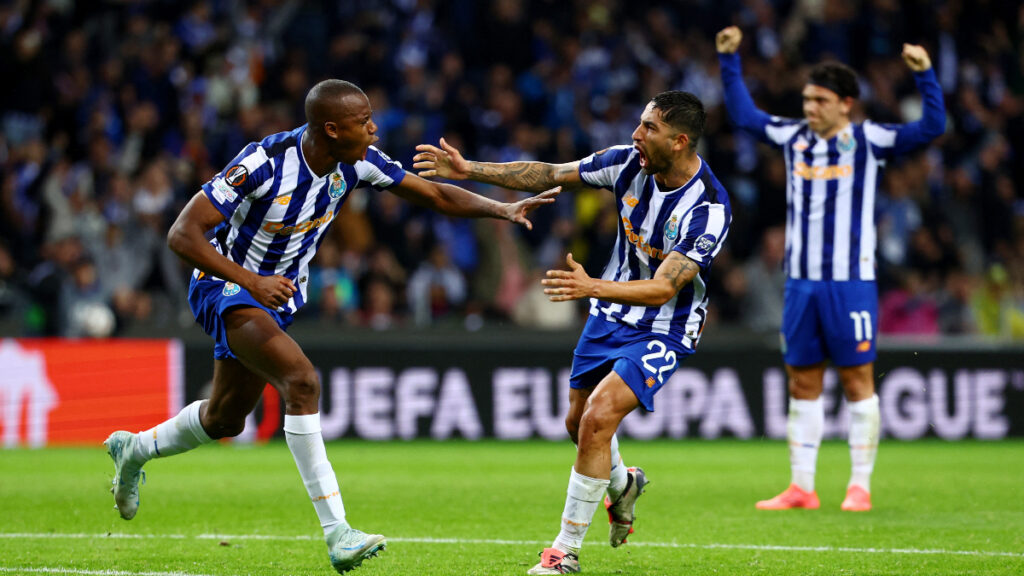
(643,157)
(373,141)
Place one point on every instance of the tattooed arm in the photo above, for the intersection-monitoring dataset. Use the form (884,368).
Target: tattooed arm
(674,273)
(529,176)
(447,162)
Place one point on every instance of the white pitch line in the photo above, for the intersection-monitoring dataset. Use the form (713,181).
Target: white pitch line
(713,546)
(680,545)
(29,570)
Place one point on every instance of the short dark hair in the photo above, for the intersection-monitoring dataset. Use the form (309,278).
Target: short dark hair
(323,95)
(836,77)
(682,111)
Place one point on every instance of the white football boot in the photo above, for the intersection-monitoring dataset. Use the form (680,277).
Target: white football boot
(348,547)
(127,474)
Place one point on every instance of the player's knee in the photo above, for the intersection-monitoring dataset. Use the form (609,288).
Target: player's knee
(857,384)
(301,388)
(596,424)
(800,391)
(803,387)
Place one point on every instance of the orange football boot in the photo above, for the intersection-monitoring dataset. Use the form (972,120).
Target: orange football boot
(857,499)
(792,497)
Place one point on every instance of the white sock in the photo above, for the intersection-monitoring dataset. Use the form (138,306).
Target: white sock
(180,434)
(307,445)
(617,482)
(581,500)
(865,421)
(806,423)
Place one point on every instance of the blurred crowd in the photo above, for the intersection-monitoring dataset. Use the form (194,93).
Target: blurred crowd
(114,113)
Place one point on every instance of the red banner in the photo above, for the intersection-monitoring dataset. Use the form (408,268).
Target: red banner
(79,391)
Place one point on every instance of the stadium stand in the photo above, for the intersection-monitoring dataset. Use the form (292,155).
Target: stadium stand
(114,113)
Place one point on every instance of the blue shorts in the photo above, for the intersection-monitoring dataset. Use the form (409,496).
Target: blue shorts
(644,360)
(210,299)
(825,319)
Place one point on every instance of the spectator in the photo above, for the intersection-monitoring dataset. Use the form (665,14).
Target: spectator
(995,307)
(332,289)
(909,309)
(436,288)
(114,117)
(86,303)
(765,283)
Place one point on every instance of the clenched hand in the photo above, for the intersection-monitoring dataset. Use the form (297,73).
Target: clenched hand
(272,291)
(727,41)
(916,57)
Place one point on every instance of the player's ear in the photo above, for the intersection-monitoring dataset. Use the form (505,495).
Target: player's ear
(682,141)
(845,105)
(331,129)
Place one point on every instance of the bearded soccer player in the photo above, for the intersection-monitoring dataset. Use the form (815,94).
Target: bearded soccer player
(648,308)
(831,300)
(265,215)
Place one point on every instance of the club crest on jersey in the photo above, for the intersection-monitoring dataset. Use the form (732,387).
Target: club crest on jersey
(846,143)
(672,228)
(800,145)
(230,289)
(338,185)
(630,200)
(705,243)
(236,175)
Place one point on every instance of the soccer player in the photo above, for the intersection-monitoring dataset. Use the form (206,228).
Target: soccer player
(647,310)
(265,215)
(831,301)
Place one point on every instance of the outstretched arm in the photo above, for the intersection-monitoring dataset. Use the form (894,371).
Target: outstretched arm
(187,239)
(674,273)
(737,99)
(933,118)
(447,162)
(455,201)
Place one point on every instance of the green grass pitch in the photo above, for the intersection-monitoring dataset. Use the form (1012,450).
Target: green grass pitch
(489,507)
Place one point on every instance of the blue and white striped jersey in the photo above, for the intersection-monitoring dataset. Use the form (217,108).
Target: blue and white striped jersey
(832,184)
(277,211)
(692,220)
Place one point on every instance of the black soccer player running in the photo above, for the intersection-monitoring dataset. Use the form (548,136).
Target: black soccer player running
(251,233)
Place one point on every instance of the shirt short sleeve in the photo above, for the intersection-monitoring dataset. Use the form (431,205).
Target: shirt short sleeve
(247,176)
(601,169)
(706,228)
(379,170)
